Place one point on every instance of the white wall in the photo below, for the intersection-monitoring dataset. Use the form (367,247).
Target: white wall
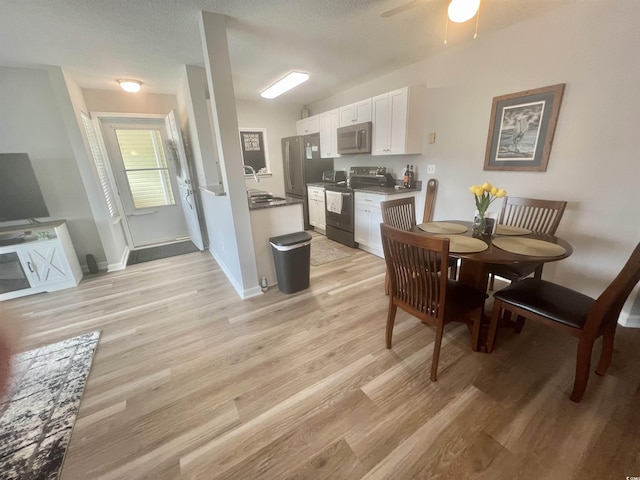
(31,122)
(279,120)
(590,46)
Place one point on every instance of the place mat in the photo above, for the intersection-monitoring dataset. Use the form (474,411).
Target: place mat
(462,244)
(511,230)
(529,246)
(442,227)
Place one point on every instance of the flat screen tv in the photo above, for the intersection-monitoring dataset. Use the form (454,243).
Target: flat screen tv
(20,195)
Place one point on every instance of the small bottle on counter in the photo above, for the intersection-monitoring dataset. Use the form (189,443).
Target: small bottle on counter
(405,182)
(412,181)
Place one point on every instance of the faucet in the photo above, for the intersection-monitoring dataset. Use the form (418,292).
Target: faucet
(253,171)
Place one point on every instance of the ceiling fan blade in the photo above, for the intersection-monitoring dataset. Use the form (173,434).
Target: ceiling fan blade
(394,11)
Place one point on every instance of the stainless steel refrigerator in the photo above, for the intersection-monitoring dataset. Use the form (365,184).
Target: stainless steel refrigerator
(302,165)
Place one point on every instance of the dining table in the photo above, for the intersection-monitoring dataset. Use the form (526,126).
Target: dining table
(508,245)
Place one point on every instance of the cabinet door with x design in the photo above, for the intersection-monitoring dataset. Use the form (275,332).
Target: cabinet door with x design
(46,263)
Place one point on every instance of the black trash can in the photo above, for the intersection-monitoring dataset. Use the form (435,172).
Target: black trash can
(291,255)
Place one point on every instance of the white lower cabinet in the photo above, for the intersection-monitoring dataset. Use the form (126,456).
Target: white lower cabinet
(315,196)
(368,218)
(39,265)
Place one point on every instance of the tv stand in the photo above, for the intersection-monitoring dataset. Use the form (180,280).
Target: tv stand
(11,241)
(40,258)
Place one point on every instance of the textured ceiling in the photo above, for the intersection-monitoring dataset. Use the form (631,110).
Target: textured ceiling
(339,42)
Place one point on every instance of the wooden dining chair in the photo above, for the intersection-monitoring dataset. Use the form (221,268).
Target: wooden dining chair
(427,216)
(430,200)
(571,312)
(399,213)
(542,216)
(414,263)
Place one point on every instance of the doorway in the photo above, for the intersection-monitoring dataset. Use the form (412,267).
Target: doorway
(145,175)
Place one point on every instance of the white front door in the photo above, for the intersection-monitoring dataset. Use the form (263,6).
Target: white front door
(146,180)
(185,183)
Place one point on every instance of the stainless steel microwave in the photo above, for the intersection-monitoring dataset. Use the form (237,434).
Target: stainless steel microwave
(354,139)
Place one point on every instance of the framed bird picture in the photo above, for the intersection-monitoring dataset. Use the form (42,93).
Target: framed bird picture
(521,129)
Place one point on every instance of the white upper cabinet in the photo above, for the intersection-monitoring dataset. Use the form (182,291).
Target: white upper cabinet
(308,125)
(398,121)
(358,112)
(329,123)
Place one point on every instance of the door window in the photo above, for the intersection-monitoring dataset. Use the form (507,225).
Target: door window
(145,166)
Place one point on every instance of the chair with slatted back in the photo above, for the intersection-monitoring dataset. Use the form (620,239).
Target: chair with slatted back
(542,216)
(414,264)
(399,213)
(429,204)
(571,312)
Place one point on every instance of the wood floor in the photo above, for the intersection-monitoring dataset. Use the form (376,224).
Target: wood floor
(189,381)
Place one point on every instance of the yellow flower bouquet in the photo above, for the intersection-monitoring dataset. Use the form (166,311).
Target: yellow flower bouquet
(484,195)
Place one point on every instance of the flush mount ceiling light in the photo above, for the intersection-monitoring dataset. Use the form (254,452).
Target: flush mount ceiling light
(286,83)
(462,10)
(131,86)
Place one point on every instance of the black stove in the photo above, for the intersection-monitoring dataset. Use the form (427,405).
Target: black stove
(339,201)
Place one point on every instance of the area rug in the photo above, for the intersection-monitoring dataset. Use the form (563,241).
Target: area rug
(162,251)
(38,412)
(324,251)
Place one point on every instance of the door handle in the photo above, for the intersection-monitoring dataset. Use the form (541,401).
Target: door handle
(288,163)
(30,266)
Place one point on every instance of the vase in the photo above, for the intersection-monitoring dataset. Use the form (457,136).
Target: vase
(479,224)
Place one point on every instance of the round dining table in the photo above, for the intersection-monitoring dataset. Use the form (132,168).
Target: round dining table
(476,258)
(475,265)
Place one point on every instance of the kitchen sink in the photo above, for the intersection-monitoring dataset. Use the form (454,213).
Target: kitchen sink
(267,199)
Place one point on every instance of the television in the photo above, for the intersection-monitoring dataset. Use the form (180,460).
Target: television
(20,195)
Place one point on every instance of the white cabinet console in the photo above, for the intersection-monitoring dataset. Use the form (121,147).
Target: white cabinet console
(37,258)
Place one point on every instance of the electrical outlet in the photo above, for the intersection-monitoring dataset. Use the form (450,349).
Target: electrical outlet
(431,169)
(432,137)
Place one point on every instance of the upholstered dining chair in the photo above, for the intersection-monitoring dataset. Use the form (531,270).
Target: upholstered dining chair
(541,216)
(571,312)
(414,264)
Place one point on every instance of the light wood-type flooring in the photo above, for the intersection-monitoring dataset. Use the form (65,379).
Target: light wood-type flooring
(189,381)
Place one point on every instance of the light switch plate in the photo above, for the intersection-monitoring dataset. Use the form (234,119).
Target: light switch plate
(431,169)
(432,137)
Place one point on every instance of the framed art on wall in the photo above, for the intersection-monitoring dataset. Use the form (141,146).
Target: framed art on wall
(254,148)
(521,129)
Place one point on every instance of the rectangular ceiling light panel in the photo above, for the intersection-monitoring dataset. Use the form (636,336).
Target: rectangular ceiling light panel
(286,83)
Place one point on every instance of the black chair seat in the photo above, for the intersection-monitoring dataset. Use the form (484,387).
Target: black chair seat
(461,298)
(547,299)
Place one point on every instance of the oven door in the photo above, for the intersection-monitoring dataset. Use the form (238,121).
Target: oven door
(339,208)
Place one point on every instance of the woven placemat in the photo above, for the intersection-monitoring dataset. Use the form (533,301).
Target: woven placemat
(442,227)
(462,244)
(529,246)
(511,230)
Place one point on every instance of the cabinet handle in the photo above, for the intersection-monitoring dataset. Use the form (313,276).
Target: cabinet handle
(30,267)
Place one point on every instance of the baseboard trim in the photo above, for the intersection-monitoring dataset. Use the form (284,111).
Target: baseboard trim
(630,321)
(112,267)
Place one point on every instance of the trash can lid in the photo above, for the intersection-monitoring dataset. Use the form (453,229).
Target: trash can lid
(290,239)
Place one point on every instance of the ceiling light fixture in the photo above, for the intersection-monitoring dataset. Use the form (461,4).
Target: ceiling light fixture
(462,10)
(286,83)
(131,86)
